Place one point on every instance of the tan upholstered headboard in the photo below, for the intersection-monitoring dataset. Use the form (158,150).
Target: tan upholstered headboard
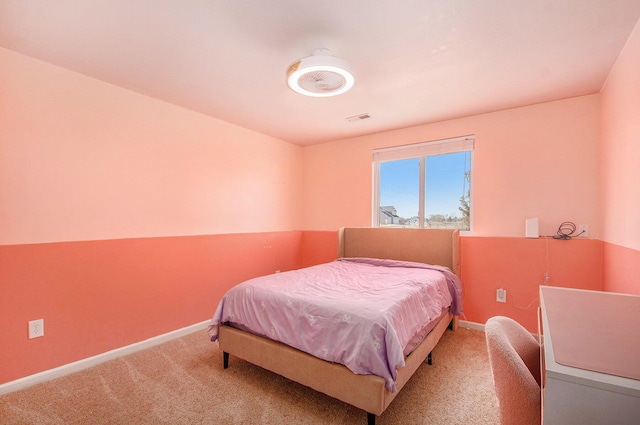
(431,246)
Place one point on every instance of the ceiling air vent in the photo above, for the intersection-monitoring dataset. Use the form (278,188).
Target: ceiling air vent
(358,117)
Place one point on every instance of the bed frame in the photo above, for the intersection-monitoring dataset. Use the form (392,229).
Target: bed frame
(367,392)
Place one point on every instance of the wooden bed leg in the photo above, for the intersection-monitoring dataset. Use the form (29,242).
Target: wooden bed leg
(225,359)
(371,419)
(454,323)
(429,359)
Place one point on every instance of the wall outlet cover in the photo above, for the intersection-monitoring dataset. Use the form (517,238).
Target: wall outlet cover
(36,328)
(501,295)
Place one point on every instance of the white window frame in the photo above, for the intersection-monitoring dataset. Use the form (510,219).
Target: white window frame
(421,150)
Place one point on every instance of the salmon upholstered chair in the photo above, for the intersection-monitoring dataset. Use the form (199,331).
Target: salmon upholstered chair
(514,355)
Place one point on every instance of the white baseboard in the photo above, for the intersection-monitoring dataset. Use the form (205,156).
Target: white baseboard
(79,365)
(480,327)
(471,325)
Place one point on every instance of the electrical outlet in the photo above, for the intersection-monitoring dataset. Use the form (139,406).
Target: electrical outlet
(501,295)
(583,230)
(36,328)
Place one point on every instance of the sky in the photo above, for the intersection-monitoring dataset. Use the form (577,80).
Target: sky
(399,184)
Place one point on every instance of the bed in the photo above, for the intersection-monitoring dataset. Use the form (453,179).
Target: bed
(407,249)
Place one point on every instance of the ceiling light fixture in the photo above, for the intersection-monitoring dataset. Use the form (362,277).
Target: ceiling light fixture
(320,75)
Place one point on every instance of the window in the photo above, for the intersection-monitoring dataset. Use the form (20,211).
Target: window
(424,185)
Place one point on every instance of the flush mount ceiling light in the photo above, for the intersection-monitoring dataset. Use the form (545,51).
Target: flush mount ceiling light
(320,75)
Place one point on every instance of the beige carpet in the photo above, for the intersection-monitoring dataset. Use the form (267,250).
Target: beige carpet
(183,382)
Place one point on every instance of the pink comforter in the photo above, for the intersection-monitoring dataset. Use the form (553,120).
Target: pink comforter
(361,312)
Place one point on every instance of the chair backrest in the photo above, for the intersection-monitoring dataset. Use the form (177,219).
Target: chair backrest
(514,355)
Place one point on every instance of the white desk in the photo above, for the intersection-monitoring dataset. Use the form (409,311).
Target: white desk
(575,395)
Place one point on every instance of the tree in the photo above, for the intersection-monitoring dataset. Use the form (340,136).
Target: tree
(464,207)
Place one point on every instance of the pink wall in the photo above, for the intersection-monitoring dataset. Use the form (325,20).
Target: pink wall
(95,296)
(123,217)
(85,160)
(620,150)
(621,269)
(519,266)
(619,176)
(319,247)
(535,161)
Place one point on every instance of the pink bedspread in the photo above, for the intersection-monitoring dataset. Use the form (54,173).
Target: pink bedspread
(359,312)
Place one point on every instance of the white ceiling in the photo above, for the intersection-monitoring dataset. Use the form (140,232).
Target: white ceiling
(415,61)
